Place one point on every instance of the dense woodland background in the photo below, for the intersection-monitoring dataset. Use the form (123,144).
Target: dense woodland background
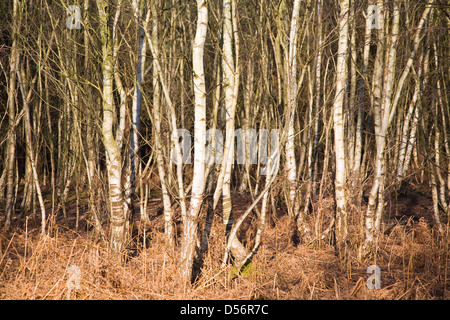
(91,100)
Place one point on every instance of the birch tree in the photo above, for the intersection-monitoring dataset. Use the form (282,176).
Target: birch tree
(190,227)
(339,144)
(353,93)
(11,102)
(118,233)
(291,81)
(230,67)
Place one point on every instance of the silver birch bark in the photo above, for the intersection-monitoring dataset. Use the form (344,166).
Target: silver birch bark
(229,88)
(318,91)
(388,82)
(11,105)
(113,157)
(126,172)
(376,105)
(190,227)
(291,81)
(339,144)
(230,82)
(230,69)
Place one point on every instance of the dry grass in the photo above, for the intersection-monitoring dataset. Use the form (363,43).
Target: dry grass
(413,259)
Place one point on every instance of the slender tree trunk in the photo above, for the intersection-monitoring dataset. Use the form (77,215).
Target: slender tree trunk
(113,157)
(245,181)
(384,111)
(376,106)
(137,102)
(168,210)
(229,89)
(317,103)
(362,85)
(190,228)
(339,144)
(291,80)
(30,146)
(229,67)
(11,146)
(388,82)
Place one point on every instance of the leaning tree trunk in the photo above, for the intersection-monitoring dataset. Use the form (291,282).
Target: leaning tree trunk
(113,156)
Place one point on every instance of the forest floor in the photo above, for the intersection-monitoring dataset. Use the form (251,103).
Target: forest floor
(412,255)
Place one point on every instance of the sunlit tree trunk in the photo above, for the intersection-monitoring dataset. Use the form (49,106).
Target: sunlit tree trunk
(118,231)
(230,69)
(339,144)
(384,112)
(318,91)
(376,106)
(190,228)
(291,82)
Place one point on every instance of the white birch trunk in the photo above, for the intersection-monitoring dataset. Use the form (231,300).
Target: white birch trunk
(198,185)
(229,89)
(388,83)
(113,156)
(339,144)
(230,74)
(291,78)
(318,91)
